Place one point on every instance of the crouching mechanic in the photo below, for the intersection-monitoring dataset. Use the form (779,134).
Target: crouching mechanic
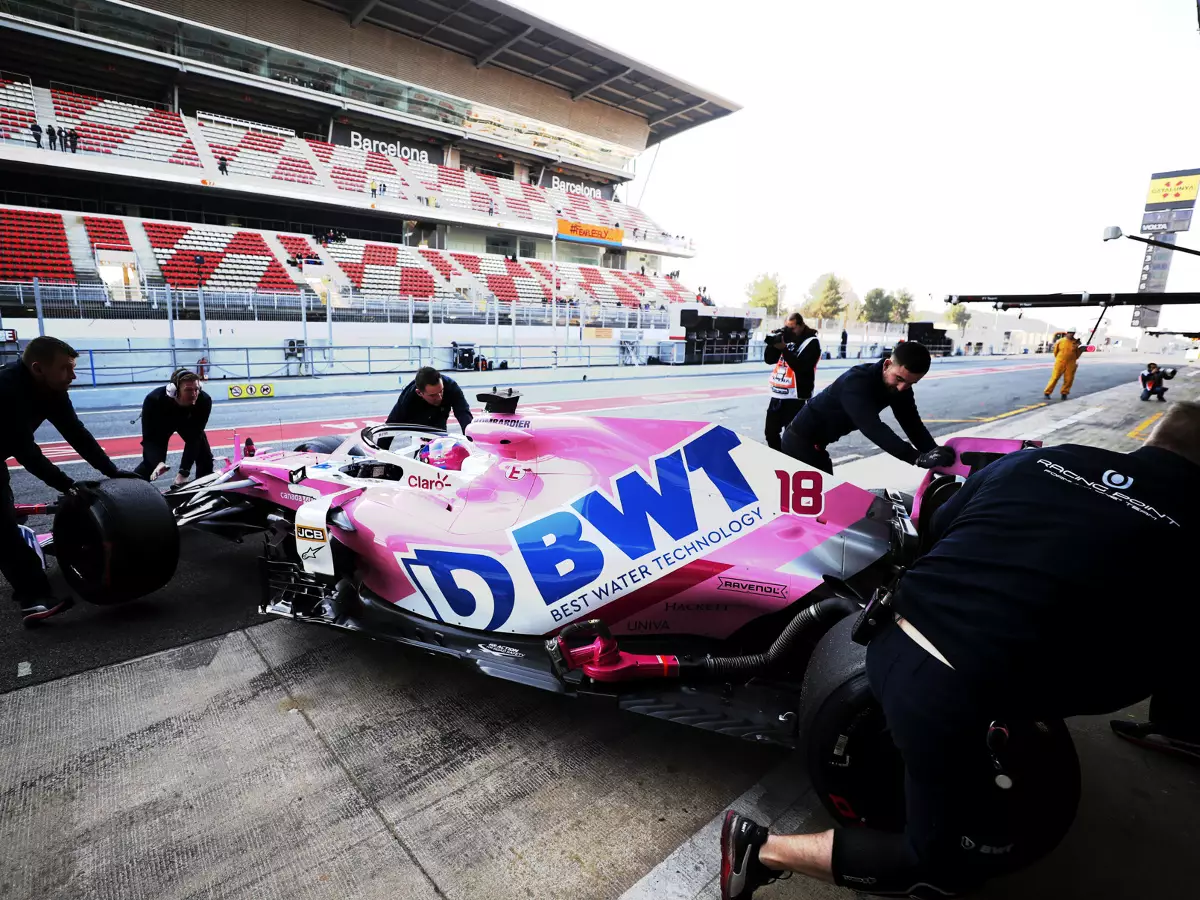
(428,400)
(853,403)
(178,407)
(33,390)
(979,639)
(794,352)
(1152,381)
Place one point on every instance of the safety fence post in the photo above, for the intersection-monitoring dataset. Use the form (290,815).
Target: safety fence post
(203,318)
(171,326)
(249,377)
(37,302)
(369,372)
(92,365)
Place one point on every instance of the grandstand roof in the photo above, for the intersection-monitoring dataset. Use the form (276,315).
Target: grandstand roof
(494,33)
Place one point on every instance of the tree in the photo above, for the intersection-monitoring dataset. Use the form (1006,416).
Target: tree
(902,306)
(766,291)
(960,316)
(830,302)
(876,306)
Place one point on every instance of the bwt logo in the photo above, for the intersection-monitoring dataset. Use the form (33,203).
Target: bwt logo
(1116,480)
(310,533)
(477,590)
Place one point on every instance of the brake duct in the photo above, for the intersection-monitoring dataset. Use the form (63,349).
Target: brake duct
(602,660)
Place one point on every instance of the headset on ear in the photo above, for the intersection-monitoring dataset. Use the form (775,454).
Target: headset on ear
(173,385)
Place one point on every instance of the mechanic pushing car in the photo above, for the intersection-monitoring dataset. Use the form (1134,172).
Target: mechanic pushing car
(989,627)
(33,390)
(793,351)
(178,407)
(853,403)
(428,400)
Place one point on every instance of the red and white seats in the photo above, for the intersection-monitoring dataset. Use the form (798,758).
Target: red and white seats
(259,154)
(387,270)
(106,234)
(353,170)
(34,245)
(125,129)
(232,260)
(17,110)
(297,246)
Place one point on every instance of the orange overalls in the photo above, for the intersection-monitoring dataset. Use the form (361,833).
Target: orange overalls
(1066,360)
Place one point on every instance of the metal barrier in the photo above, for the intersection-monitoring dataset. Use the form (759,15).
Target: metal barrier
(155,364)
(98,301)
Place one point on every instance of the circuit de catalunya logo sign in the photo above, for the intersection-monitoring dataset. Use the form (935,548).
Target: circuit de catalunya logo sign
(700,495)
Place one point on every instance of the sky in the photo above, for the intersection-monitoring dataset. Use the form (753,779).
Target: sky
(943,146)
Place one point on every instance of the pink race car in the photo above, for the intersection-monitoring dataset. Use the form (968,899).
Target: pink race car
(673,568)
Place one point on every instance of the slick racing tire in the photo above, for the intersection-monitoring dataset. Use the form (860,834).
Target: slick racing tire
(859,775)
(326,443)
(116,541)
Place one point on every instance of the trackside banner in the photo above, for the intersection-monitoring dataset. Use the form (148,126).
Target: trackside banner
(589,234)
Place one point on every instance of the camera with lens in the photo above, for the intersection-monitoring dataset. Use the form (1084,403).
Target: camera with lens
(779,334)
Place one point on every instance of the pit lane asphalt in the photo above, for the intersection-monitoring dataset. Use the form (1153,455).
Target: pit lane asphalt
(216,588)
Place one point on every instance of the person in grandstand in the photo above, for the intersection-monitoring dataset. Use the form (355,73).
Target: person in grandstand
(429,399)
(792,352)
(178,407)
(33,390)
(1001,641)
(853,403)
(1152,381)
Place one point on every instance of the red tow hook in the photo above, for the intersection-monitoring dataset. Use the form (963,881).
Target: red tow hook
(601,659)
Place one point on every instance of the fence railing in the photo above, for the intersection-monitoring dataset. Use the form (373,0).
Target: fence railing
(154,365)
(99,301)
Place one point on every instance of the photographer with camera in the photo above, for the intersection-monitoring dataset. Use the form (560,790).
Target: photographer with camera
(793,351)
(1152,381)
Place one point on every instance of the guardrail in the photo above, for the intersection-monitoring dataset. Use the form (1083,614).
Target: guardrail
(154,365)
(98,301)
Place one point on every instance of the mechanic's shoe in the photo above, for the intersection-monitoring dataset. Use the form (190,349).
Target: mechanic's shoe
(1148,735)
(1065,396)
(1046,395)
(37,611)
(741,871)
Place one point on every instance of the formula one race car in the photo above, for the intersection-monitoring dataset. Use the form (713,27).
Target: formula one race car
(670,568)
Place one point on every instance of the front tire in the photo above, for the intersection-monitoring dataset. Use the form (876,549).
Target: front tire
(116,542)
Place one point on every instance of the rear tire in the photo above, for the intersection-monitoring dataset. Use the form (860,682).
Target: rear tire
(859,775)
(116,542)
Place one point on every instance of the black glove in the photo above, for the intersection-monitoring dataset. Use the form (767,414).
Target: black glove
(936,458)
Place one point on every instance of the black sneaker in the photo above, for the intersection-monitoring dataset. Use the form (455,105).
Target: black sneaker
(37,610)
(1147,734)
(741,871)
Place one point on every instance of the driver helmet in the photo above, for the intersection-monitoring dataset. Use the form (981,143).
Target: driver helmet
(444,453)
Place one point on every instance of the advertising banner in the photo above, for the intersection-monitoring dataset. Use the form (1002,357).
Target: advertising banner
(591,189)
(1173,190)
(589,234)
(357,138)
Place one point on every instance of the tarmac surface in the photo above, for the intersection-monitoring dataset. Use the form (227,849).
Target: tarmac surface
(270,759)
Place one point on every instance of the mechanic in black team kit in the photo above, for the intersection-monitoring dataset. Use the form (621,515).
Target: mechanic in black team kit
(33,390)
(989,627)
(428,400)
(178,407)
(853,403)
(794,352)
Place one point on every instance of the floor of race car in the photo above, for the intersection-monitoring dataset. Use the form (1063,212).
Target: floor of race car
(198,750)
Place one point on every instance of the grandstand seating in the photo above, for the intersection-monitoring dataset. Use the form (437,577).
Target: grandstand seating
(387,270)
(297,246)
(110,234)
(125,129)
(17,110)
(259,154)
(34,245)
(232,260)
